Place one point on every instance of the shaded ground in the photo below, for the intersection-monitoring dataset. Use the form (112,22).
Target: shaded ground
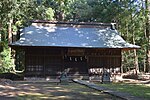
(51,91)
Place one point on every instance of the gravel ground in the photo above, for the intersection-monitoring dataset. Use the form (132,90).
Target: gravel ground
(50,91)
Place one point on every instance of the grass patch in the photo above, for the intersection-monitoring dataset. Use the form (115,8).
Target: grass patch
(140,90)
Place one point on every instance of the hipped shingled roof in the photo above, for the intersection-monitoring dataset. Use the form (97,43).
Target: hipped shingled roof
(66,34)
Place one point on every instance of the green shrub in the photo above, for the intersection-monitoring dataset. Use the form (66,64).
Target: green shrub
(6,61)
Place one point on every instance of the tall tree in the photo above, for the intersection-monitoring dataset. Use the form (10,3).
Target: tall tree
(14,14)
(147,3)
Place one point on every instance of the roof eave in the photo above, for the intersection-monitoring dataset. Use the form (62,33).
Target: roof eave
(123,48)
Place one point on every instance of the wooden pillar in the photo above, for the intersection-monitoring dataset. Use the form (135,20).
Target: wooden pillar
(63,63)
(25,65)
(87,64)
(44,53)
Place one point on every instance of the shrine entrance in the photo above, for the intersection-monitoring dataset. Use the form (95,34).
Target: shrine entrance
(75,62)
(76,65)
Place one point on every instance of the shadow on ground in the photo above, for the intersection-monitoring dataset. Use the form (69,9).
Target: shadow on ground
(51,91)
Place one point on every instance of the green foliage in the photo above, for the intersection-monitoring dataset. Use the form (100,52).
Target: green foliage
(81,11)
(49,14)
(6,61)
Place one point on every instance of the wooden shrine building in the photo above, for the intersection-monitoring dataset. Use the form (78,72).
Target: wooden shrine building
(52,47)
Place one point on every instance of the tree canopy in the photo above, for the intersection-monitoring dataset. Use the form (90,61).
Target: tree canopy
(131,16)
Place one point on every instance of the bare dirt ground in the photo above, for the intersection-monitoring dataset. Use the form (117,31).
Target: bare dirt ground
(50,91)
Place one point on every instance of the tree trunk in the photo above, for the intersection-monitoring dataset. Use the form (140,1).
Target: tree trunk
(136,65)
(136,62)
(61,16)
(61,11)
(147,2)
(144,66)
(10,31)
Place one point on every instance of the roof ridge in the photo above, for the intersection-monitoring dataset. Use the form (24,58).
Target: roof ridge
(71,22)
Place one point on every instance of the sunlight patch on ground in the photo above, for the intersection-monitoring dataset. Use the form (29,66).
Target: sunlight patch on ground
(44,97)
(84,93)
(148,85)
(35,89)
(57,87)
(7,94)
(148,93)
(7,87)
(95,93)
(65,90)
(2,86)
(60,97)
(30,93)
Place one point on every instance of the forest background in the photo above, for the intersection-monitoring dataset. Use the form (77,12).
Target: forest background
(132,18)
